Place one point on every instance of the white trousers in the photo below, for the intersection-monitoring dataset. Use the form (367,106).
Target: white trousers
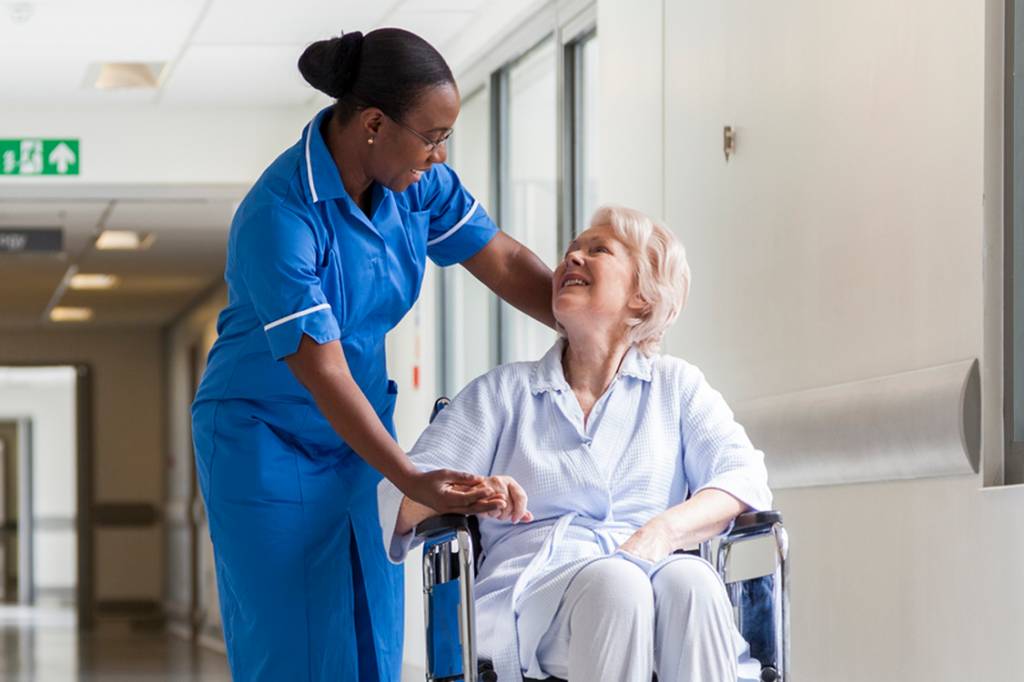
(617,624)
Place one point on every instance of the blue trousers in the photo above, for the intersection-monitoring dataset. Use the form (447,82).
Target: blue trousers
(306,590)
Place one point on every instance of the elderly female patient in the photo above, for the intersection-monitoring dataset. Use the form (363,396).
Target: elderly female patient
(601,459)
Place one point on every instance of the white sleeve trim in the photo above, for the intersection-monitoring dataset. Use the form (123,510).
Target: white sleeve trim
(289,318)
(309,163)
(465,219)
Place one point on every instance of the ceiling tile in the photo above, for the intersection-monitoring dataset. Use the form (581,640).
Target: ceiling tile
(444,5)
(437,28)
(298,22)
(26,285)
(242,75)
(100,30)
(66,79)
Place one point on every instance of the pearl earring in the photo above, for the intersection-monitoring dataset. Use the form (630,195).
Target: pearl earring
(369,141)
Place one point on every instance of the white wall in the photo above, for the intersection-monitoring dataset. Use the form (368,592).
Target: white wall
(630,105)
(46,396)
(843,241)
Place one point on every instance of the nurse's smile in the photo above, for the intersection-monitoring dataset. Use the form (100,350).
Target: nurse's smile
(406,148)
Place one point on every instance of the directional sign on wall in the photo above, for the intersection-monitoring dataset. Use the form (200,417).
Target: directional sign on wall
(31,240)
(39,157)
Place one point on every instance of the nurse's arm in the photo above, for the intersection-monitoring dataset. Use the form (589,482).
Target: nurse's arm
(324,371)
(516,275)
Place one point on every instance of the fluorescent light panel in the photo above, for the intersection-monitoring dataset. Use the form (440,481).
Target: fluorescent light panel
(92,281)
(68,314)
(128,75)
(124,240)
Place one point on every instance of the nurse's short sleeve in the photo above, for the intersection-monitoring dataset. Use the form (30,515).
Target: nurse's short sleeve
(278,256)
(459,225)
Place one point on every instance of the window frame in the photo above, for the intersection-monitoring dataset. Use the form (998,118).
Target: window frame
(1013,259)
(574,133)
(570,23)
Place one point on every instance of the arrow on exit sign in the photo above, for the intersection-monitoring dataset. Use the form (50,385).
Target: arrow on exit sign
(32,156)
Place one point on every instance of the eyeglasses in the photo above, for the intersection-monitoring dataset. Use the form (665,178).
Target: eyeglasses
(431,145)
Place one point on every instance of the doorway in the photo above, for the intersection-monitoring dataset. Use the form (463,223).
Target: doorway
(45,553)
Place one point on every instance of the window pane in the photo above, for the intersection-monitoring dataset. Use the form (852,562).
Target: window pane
(531,215)
(471,329)
(1018,220)
(587,138)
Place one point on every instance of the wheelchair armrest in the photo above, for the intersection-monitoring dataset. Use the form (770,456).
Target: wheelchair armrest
(443,523)
(752,522)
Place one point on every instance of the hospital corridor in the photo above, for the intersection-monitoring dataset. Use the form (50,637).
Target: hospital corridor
(511,340)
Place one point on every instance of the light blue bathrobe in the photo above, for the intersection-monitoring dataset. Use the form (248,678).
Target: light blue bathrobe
(658,434)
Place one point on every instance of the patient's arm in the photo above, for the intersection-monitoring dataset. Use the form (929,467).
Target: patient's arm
(410,515)
(703,516)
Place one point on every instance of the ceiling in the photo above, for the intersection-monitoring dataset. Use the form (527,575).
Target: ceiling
(213,52)
(212,49)
(156,284)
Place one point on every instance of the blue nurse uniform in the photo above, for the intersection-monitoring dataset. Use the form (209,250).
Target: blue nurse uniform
(306,590)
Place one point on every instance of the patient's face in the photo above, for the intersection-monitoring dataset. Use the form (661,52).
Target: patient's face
(595,283)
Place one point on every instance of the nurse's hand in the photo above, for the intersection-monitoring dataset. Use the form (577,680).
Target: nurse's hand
(452,492)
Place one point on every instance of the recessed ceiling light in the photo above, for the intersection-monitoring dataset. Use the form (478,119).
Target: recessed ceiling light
(93,281)
(124,240)
(67,314)
(128,75)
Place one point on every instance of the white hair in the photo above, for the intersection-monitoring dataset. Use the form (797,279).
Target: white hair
(662,273)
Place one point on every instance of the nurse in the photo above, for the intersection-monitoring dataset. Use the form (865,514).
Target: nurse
(293,421)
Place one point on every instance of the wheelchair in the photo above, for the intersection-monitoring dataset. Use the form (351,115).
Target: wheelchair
(451,553)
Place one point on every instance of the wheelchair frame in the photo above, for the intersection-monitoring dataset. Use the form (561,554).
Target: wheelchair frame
(449,571)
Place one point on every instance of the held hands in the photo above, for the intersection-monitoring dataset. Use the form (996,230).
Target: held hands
(650,542)
(509,495)
(449,492)
(455,492)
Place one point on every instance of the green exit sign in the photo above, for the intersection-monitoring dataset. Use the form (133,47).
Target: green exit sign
(39,157)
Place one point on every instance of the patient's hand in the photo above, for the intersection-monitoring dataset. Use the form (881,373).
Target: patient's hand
(510,493)
(652,542)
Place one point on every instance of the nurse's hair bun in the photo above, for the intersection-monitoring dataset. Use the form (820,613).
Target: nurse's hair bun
(388,68)
(331,65)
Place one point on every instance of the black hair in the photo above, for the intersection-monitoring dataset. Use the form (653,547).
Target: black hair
(388,68)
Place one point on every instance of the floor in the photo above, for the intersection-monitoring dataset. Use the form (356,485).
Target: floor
(44,645)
